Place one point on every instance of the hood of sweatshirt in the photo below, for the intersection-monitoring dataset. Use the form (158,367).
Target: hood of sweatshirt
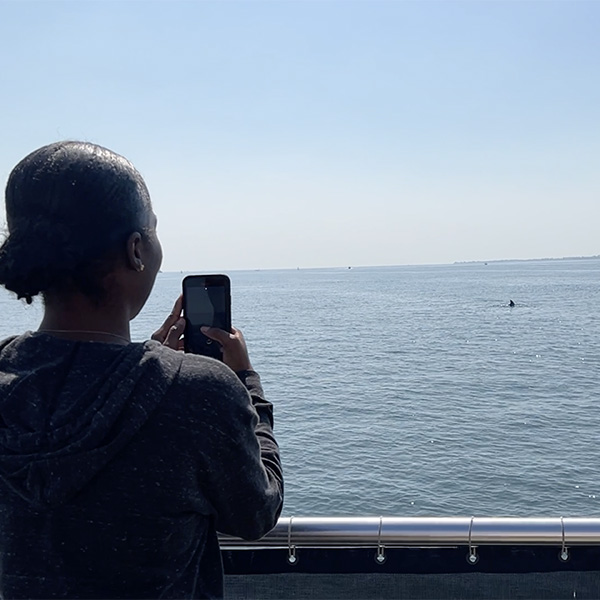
(67,408)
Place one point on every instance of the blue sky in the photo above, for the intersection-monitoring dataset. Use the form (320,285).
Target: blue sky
(325,133)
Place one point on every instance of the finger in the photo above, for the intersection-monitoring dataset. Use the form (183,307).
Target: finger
(174,334)
(161,333)
(214,333)
(237,333)
(178,306)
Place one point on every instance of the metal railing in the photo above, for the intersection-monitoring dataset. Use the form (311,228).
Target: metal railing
(315,532)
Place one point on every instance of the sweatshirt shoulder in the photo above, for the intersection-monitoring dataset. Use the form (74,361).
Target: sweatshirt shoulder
(198,375)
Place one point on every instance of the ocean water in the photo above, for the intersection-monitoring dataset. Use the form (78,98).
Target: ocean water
(415,391)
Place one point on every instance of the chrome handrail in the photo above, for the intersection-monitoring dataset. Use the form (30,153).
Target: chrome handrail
(392,532)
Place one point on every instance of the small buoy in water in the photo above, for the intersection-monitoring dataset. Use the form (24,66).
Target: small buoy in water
(511,303)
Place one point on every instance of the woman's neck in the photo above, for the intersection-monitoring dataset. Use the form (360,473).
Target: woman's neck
(79,318)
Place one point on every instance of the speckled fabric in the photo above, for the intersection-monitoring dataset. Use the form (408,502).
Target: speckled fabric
(119,464)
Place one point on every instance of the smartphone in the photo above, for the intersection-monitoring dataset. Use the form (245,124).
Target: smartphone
(206,301)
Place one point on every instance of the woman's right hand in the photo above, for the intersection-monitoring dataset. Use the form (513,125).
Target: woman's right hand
(170,332)
(235,352)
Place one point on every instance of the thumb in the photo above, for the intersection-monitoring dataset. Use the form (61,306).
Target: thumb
(214,333)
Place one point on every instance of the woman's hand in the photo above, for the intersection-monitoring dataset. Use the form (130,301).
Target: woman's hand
(235,352)
(170,332)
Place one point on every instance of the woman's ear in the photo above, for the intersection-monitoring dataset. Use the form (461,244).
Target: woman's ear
(134,252)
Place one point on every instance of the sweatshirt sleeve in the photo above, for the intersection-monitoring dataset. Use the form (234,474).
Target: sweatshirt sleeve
(240,467)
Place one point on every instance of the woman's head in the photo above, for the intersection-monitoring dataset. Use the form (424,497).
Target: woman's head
(70,209)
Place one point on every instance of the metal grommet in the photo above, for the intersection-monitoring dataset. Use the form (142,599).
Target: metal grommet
(292,558)
(564,551)
(380,557)
(472,557)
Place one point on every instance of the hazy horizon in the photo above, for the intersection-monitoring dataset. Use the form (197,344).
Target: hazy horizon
(390,265)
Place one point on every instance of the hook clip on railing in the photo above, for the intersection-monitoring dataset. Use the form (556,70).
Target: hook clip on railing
(564,551)
(380,557)
(472,557)
(292,558)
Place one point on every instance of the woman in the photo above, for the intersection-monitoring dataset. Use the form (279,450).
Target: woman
(119,461)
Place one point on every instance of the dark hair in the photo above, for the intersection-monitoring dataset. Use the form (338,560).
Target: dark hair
(68,206)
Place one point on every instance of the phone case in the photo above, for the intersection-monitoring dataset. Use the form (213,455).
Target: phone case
(194,340)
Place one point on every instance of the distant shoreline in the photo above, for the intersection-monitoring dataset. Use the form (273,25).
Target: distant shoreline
(504,260)
(389,266)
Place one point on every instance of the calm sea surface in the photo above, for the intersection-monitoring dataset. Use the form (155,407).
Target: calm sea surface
(418,390)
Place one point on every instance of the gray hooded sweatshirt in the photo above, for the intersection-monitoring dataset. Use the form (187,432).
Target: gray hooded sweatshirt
(119,464)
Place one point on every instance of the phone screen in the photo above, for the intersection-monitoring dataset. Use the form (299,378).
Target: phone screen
(207,306)
(206,301)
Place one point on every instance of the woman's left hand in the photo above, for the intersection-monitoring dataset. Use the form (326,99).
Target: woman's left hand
(170,332)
